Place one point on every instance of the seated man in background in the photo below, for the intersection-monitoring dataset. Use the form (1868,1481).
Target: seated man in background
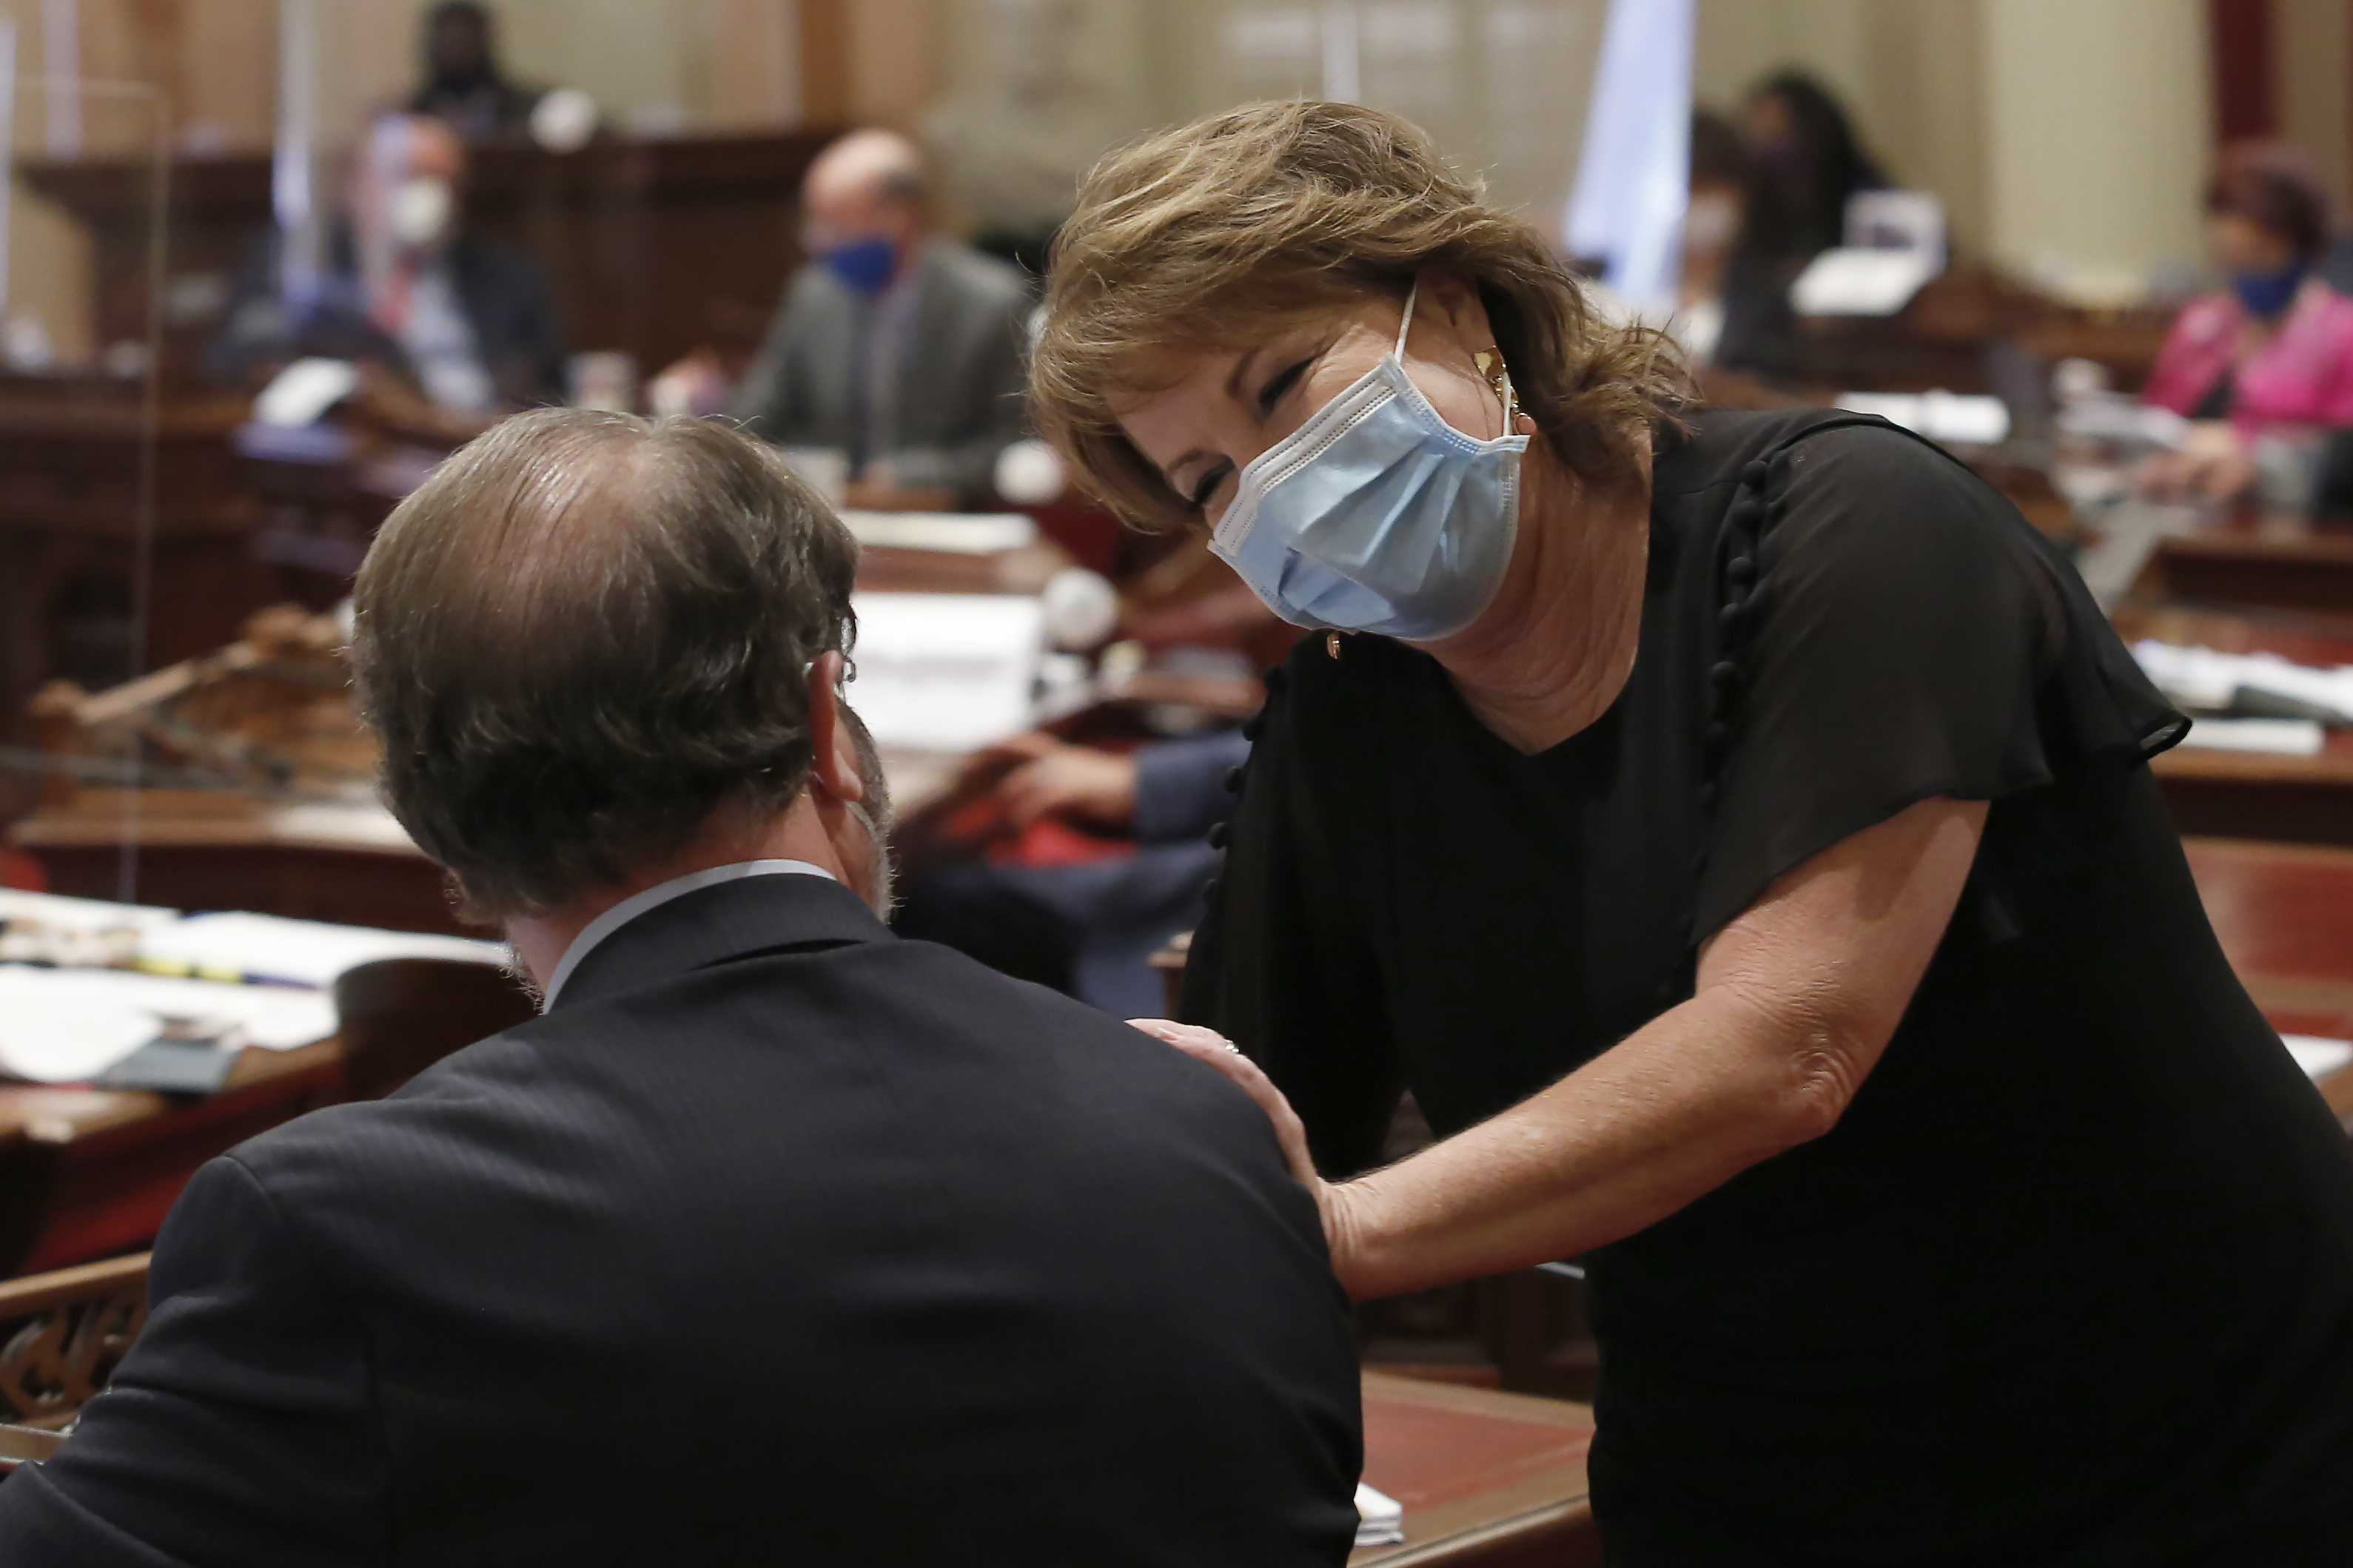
(1091,929)
(899,348)
(463,329)
(775,1238)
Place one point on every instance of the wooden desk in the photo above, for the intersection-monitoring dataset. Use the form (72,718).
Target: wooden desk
(68,514)
(2284,915)
(1955,330)
(2251,557)
(218,849)
(87,1172)
(1492,1479)
(2254,795)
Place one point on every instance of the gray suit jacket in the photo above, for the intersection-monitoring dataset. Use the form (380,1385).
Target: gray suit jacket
(960,376)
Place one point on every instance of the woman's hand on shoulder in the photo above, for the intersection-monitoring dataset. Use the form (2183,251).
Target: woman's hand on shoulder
(1214,1050)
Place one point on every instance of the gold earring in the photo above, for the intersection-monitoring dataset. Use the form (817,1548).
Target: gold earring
(1489,362)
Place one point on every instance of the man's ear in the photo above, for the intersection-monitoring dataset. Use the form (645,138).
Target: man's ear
(833,759)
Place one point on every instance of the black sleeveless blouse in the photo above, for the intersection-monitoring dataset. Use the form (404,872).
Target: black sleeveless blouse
(2073,1278)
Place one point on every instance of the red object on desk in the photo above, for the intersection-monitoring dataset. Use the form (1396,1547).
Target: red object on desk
(20,870)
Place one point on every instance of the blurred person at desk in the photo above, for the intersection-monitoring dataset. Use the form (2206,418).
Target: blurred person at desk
(1798,163)
(1736,831)
(464,85)
(1732,315)
(1089,924)
(775,1238)
(450,332)
(2269,359)
(897,347)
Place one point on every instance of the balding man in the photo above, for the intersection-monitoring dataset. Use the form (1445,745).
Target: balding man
(898,347)
(776,1239)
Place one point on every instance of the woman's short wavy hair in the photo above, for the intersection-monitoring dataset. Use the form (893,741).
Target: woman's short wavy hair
(1212,235)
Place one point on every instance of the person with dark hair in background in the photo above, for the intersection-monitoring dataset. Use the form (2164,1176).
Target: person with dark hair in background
(1799,163)
(464,84)
(2273,353)
(897,347)
(464,327)
(1805,162)
(775,1238)
(1735,310)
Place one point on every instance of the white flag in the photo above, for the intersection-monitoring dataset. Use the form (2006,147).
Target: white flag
(1633,175)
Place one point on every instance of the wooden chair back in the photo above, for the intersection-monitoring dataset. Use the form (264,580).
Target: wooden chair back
(62,1335)
(400,1016)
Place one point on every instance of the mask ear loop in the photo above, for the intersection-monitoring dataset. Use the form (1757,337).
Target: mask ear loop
(1405,326)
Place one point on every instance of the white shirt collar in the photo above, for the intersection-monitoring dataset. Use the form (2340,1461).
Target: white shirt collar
(653,897)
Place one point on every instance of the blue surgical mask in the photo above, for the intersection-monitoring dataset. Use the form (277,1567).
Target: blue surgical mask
(866,264)
(1377,515)
(2267,294)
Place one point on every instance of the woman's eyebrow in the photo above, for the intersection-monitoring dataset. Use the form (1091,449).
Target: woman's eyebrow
(1240,373)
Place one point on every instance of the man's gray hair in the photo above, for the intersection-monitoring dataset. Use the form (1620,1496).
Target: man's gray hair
(585,633)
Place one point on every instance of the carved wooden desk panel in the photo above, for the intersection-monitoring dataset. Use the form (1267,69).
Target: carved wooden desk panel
(62,1335)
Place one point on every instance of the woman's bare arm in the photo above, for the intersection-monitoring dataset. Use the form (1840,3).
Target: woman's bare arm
(1796,999)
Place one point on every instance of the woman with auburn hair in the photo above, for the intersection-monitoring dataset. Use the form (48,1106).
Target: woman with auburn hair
(1734,830)
(2273,353)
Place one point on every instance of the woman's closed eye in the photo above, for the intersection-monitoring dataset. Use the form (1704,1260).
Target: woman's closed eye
(1205,488)
(1281,382)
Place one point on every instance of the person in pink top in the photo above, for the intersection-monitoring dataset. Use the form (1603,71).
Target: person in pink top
(2272,354)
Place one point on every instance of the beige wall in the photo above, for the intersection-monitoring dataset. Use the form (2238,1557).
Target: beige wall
(2097,138)
(2066,136)
(1912,72)
(2314,39)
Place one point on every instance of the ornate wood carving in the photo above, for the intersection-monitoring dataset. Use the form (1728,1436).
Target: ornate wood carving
(62,1335)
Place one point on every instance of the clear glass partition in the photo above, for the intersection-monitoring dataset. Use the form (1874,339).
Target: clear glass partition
(102,496)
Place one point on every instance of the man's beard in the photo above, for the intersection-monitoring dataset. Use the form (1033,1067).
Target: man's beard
(874,815)
(520,972)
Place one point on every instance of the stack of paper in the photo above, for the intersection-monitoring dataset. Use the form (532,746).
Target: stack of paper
(1380,1520)
(291,952)
(69,1026)
(42,928)
(946,672)
(2261,683)
(2317,1055)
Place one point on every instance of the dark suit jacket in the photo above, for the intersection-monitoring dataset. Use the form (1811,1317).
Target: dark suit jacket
(778,1239)
(504,294)
(960,383)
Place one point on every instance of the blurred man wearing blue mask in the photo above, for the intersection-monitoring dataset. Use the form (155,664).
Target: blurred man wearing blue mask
(897,348)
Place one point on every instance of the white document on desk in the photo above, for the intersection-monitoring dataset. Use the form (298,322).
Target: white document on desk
(296,953)
(68,1025)
(61,914)
(2318,1055)
(942,532)
(946,672)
